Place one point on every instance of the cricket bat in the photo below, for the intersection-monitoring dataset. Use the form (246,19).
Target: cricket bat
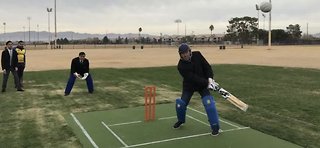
(232,99)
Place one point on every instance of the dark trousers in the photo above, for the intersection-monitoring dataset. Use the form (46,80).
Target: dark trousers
(20,71)
(72,79)
(186,95)
(6,77)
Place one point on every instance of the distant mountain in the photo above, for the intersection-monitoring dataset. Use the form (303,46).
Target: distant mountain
(44,36)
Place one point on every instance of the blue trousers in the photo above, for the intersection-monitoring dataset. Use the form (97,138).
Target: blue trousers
(186,95)
(72,79)
(209,105)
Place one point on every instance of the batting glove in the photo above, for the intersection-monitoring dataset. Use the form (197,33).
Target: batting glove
(213,85)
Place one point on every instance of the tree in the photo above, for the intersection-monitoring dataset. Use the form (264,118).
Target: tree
(243,29)
(211,28)
(65,41)
(279,36)
(105,40)
(294,32)
(263,35)
(119,40)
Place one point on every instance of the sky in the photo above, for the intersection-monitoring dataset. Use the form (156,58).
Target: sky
(155,17)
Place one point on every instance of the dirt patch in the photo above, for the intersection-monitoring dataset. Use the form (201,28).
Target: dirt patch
(286,56)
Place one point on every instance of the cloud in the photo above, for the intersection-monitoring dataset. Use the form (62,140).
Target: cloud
(123,16)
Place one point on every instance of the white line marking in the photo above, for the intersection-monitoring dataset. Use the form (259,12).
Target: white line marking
(84,131)
(114,134)
(165,118)
(219,119)
(198,120)
(179,138)
(125,123)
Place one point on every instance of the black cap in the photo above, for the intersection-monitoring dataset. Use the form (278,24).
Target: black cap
(184,48)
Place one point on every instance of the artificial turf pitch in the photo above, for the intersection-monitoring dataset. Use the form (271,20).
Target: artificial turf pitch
(126,128)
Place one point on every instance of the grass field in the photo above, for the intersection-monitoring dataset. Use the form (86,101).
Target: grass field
(283,101)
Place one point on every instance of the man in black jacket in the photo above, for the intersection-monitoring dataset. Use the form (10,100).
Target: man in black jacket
(197,77)
(79,69)
(9,63)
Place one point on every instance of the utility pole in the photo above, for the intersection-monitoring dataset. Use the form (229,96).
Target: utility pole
(258,10)
(29,18)
(269,37)
(49,10)
(55,24)
(4,31)
(178,21)
(24,34)
(38,33)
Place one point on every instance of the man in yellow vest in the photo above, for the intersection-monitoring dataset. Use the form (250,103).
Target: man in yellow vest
(21,51)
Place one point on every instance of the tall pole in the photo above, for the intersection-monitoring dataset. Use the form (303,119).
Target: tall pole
(38,33)
(307,31)
(24,33)
(258,10)
(269,38)
(29,18)
(49,38)
(185,30)
(264,18)
(55,24)
(4,31)
(178,21)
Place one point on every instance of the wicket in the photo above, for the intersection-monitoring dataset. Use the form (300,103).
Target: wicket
(149,103)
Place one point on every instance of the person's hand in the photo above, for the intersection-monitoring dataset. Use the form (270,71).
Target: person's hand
(213,85)
(77,75)
(4,71)
(85,75)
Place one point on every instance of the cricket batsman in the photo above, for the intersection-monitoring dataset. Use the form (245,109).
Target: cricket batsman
(197,77)
(80,70)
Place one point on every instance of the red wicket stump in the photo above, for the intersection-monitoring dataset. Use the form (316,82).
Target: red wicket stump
(149,103)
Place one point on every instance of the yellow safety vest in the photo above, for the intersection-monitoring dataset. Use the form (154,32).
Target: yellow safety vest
(21,54)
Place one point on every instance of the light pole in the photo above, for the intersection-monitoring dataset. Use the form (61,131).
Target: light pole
(264,18)
(49,10)
(140,29)
(24,34)
(258,10)
(4,31)
(38,33)
(269,36)
(55,24)
(177,21)
(29,18)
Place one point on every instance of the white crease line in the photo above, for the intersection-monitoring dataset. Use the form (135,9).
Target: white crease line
(165,118)
(124,123)
(198,120)
(219,119)
(179,138)
(114,134)
(84,131)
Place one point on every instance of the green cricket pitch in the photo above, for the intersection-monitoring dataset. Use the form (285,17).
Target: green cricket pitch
(126,128)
